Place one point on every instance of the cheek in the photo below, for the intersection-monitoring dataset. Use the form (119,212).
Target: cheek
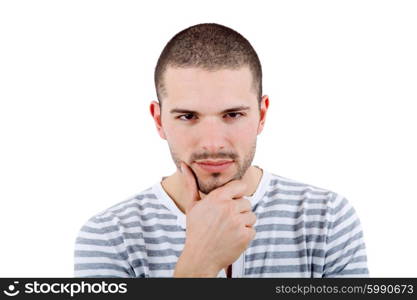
(244,137)
(170,132)
(250,128)
(178,140)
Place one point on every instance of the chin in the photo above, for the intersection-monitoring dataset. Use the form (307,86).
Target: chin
(219,179)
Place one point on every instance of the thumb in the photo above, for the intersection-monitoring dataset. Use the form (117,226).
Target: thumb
(190,188)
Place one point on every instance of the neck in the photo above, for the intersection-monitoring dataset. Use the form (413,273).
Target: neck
(172,186)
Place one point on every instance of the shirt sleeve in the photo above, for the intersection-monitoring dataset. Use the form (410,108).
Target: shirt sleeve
(345,252)
(100,250)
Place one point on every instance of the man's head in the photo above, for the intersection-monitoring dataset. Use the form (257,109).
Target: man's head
(210,106)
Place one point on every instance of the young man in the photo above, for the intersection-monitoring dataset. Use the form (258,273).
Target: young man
(218,215)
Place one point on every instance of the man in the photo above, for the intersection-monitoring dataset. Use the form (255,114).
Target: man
(218,215)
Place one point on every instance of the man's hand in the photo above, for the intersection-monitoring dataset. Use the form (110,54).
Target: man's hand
(219,227)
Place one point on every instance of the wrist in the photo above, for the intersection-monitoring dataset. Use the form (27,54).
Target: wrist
(190,265)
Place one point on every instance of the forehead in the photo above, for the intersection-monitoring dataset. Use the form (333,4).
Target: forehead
(196,87)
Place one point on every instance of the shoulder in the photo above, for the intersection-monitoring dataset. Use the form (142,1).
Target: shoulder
(128,212)
(314,199)
(104,243)
(281,186)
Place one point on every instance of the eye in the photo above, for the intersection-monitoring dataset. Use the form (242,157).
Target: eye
(233,115)
(186,117)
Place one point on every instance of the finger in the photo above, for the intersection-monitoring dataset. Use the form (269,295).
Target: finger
(248,219)
(243,205)
(191,193)
(233,189)
(251,232)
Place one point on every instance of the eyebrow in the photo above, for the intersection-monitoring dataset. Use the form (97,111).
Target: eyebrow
(187,111)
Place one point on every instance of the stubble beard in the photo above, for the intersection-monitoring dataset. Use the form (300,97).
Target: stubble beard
(214,182)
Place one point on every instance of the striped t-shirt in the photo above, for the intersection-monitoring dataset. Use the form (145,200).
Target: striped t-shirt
(301,231)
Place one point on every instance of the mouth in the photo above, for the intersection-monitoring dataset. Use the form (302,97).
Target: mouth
(212,166)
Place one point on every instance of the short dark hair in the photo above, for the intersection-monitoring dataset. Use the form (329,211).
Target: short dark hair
(209,46)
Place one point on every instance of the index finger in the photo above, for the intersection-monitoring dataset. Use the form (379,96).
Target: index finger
(233,189)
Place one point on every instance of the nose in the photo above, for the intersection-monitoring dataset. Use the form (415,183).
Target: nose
(212,135)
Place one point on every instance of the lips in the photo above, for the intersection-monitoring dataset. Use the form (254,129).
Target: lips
(214,165)
(213,162)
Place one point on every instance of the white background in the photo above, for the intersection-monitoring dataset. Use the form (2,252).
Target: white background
(76,80)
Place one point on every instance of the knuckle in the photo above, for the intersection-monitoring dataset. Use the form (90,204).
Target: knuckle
(252,219)
(248,205)
(252,233)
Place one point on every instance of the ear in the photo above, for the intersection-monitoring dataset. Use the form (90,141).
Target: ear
(263,110)
(155,110)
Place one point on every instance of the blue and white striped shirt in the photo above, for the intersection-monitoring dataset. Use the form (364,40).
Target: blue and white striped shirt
(301,231)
